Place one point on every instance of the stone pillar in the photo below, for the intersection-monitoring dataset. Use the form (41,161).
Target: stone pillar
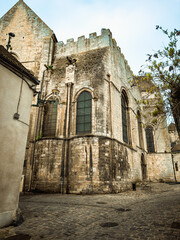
(70,74)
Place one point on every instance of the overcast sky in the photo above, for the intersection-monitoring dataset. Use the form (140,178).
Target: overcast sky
(132,22)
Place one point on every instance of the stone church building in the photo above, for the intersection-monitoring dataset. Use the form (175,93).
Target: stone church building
(87,133)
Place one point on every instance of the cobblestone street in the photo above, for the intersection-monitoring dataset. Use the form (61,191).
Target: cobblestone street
(150,213)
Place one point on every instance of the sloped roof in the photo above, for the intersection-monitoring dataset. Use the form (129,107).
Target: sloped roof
(7,60)
(30,13)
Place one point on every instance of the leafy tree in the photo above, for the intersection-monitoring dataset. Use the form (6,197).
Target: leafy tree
(162,69)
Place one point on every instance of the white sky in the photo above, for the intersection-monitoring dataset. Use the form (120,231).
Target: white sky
(132,22)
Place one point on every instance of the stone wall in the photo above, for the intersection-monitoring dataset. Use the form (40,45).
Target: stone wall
(88,164)
(160,167)
(176,161)
(47,166)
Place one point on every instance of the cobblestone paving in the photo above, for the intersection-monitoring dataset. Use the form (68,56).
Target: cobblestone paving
(142,214)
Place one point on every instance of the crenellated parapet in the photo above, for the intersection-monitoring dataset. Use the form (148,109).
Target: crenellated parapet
(94,41)
(120,57)
(84,44)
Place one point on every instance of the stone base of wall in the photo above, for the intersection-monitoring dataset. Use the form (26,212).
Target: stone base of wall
(82,165)
(93,164)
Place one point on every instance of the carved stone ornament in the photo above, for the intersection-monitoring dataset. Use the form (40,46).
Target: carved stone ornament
(70,70)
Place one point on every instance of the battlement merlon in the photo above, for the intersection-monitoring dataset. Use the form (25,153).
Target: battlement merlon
(86,44)
(121,56)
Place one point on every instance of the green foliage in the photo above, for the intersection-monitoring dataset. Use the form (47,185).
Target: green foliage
(164,65)
(39,137)
(162,69)
(155,112)
(154,121)
(50,67)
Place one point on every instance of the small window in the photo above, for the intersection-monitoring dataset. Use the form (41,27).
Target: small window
(84,108)
(25,163)
(173,144)
(50,118)
(124,110)
(176,166)
(150,139)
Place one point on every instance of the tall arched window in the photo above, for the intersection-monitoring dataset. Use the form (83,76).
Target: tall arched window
(150,139)
(124,110)
(84,109)
(140,129)
(50,118)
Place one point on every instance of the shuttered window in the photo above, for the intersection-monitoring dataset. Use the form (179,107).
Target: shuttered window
(84,108)
(150,139)
(50,118)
